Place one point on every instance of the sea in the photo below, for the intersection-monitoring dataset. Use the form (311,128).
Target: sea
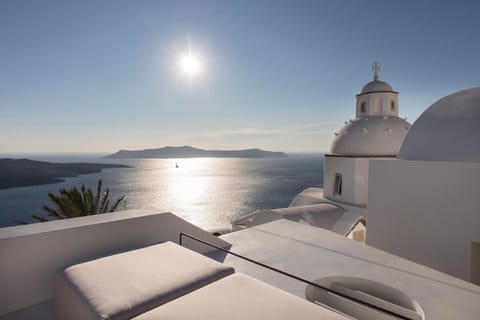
(208,192)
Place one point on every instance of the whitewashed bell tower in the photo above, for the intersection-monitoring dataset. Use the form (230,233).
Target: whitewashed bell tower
(377,98)
(376,132)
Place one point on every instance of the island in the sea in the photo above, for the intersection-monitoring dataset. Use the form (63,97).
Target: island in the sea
(191,152)
(25,172)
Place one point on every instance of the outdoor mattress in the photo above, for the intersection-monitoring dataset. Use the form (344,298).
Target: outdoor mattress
(124,285)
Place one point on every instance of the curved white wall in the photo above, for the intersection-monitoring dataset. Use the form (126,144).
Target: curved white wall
(376,136)
(449,130)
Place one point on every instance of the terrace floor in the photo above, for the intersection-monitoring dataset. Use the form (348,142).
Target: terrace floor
(314,253)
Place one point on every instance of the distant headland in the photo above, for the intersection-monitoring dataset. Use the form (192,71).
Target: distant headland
(191,152)
(24,172)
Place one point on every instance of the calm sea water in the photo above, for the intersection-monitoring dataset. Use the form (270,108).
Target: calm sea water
(209,192)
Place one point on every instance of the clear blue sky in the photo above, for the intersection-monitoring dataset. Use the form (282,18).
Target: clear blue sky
(98,76)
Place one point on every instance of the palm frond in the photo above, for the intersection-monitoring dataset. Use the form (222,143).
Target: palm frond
(70,203)
(39,218)
(104,201)
(96,201)
(115,205)
(54,213)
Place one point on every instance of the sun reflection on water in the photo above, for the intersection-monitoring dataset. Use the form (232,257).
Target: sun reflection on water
(185,183)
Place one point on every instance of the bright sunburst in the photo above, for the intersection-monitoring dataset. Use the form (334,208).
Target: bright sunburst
(190,64)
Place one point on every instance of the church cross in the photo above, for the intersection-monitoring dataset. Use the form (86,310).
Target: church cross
(375,69)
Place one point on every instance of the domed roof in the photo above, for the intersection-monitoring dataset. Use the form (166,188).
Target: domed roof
(449,130)
(370,136)
(376,86)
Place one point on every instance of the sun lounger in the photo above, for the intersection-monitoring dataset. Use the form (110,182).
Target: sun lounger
(125,285)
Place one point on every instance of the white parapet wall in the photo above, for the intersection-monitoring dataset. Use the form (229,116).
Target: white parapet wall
(31,254)
(428,212)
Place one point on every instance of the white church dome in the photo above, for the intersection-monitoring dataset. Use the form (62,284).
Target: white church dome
(376,86)
(449,130)
(370,136)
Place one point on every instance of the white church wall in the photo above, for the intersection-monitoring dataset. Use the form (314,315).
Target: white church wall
(361,181)
(354,173)
(428,212)
(339,165)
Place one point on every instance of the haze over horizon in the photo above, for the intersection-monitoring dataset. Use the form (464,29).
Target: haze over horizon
(100,76)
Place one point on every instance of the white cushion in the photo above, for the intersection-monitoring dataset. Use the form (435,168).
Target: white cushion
(124,285)
(239,297)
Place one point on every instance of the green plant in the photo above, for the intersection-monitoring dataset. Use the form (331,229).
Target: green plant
(70,203)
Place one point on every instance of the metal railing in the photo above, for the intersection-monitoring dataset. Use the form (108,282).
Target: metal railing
(316,285)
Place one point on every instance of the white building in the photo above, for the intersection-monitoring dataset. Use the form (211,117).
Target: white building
(425,205)
(377,132)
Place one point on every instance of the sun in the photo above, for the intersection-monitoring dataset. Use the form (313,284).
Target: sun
(190,65)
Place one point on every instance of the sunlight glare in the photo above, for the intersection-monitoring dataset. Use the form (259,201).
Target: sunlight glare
(190,64)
